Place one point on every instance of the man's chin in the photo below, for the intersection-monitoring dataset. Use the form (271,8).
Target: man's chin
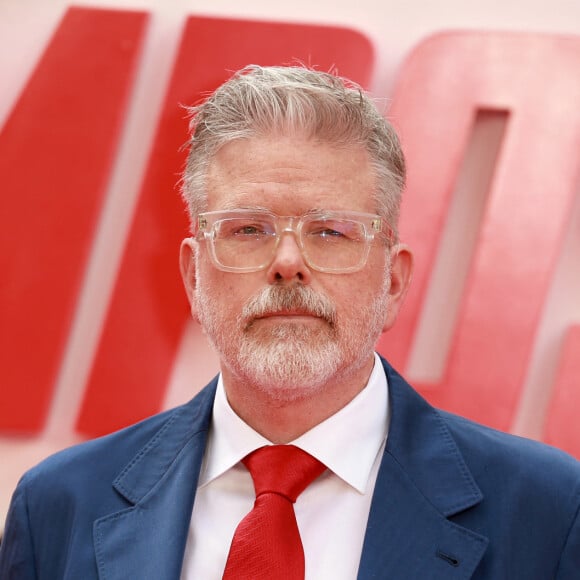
(290,368)
(302,335)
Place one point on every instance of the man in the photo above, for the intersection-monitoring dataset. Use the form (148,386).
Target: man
(294,269)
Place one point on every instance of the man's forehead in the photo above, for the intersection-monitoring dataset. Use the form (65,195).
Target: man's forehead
(246,170)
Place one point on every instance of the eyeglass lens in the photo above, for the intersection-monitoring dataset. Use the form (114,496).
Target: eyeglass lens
(327,243)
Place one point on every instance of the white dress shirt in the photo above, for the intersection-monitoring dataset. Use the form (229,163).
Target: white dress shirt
(332,512)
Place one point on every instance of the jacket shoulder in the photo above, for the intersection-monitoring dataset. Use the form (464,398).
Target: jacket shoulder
(106,455)
(102,459)
(488,449)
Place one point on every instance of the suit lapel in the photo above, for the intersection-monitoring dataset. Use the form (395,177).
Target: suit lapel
(147,540)
(422,482)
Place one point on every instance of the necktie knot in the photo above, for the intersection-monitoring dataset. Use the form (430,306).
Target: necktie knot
(282,469)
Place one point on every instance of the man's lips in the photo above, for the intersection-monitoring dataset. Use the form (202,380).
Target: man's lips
(287,314)
(294,315)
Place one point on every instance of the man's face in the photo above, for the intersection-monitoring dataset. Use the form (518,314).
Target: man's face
(289,330)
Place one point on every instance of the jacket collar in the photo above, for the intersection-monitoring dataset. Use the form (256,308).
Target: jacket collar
(147,540)
(422,482)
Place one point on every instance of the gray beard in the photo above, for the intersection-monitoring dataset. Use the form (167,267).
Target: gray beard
(290,361)
(293,360)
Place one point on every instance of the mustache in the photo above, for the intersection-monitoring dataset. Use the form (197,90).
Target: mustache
(274,299)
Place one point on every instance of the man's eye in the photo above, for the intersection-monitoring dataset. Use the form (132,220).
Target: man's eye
(329,233)
(250,230)
(336,230)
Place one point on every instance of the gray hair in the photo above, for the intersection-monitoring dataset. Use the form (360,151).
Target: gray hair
(261,101)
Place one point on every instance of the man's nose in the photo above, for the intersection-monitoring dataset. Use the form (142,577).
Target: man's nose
(288,263)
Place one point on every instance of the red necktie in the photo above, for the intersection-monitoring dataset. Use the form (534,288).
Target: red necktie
(266,544)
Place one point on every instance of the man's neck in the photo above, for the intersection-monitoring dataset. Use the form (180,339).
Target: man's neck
(282,418)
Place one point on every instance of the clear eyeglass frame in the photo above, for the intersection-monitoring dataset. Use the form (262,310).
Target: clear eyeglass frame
(209,225)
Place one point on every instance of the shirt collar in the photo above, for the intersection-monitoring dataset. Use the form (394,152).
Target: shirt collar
(347,442)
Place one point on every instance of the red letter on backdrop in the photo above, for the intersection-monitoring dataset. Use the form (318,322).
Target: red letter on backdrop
(563,425)
(148,307)
(55,154)
(442,86)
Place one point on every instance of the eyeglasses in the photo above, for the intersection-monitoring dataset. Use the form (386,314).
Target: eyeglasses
(243,240)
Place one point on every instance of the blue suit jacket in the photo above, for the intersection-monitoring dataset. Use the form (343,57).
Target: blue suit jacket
(453,500)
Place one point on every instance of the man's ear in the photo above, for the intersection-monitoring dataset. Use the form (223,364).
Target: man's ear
(401,274)
(187,253)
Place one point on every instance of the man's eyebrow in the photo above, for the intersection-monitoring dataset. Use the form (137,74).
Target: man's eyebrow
(256,208)
(261,209)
